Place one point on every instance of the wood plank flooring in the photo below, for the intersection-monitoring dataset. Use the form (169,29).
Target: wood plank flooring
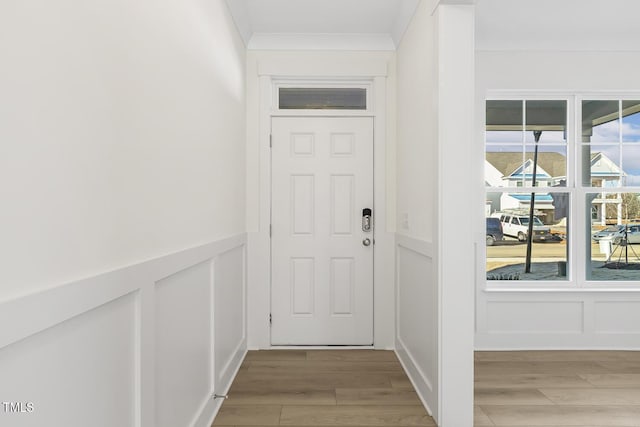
(324,388)
(357,388)
(557,388)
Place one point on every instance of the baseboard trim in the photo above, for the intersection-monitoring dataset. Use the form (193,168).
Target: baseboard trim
(209,411)
(419,381)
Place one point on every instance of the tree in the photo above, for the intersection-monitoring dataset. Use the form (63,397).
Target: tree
(630,206)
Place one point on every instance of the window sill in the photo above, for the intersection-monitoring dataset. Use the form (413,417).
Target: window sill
(618,289)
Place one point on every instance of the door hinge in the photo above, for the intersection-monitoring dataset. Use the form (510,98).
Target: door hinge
(270,319)
(270,141)
(270,230)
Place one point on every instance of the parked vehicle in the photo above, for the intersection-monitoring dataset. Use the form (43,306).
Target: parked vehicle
(494,231)
(630,231)
(517,225)
(607,232)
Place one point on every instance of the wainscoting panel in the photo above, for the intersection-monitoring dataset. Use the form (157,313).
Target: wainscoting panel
(78,372)
(617,317)
(557,320)
(147,345)
(535,317)
(229,312)
(417,321)
(183,344)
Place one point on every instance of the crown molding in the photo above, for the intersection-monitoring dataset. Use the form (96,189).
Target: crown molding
(288,41)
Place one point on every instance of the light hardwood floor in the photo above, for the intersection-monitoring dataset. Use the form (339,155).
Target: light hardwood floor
(368,388)
(557,388)
(322,388)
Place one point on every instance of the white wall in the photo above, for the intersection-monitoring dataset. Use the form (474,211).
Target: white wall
(551,25)
(122,140)
(122,135)
(417,125)
(573,319)
(416,218)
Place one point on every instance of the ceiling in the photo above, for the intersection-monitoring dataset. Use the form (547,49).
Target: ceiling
(380,24)
(373,22)
(558,25)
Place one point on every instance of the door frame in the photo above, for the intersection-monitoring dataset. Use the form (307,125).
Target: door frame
(272,74)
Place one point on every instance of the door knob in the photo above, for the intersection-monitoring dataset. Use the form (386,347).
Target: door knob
(366,242)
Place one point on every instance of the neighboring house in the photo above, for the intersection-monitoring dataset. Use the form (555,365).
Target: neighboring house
(523,175)
(605,174)
(552,168)
(507,169)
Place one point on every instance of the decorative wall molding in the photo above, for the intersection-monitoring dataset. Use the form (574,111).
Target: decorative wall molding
(416,324)
(345,42)
(143,326)
(558,320)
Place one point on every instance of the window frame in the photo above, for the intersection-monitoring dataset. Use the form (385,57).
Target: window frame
(579,218)
(290,83)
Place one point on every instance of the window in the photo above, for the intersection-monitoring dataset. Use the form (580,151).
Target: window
(610,146)
(540,165)
(320,98)
(526,174)
(610,137)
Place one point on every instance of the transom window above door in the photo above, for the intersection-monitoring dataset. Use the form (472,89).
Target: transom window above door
(322,96)
(312,98)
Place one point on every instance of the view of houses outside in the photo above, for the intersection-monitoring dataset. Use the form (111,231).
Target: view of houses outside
(527,140)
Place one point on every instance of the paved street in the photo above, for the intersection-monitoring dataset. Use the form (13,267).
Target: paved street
(514,248)
(508,257)
(552,250)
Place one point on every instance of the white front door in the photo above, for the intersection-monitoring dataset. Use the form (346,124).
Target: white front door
(322,259)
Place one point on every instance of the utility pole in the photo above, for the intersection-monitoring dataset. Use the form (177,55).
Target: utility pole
(527,264)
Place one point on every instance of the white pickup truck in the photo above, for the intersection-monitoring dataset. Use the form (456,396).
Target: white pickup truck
(517,225)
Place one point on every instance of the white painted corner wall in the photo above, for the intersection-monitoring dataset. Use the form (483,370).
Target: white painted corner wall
(456,252)
(416,260)
(434,290)
(575,318)
(146,346)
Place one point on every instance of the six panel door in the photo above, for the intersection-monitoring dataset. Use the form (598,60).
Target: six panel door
(322,272)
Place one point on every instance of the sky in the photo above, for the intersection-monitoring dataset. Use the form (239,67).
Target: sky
(610,132)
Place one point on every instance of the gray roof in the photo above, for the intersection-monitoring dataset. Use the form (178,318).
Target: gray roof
(555,164)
